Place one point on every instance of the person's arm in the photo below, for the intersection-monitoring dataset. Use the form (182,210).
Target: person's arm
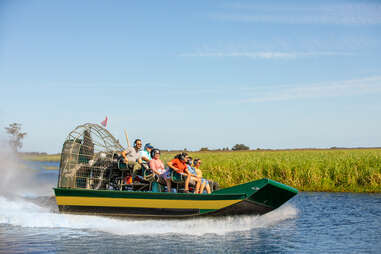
(124,155)
(144,158)
(187,171)
(191,170)
(170,164)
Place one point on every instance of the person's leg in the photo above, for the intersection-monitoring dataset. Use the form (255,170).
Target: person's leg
(136,167)
(208,188)
(167,178)
(194,182)
(168,182)
(198,184)
(202,187)
(186,188)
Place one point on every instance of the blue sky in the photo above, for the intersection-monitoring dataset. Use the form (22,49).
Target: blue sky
(192,74)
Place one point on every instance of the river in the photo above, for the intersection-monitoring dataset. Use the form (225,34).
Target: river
(309,223)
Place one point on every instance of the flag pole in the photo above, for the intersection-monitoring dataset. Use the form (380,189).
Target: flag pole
(128,141)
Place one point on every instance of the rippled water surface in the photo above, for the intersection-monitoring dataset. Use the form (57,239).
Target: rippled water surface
(309,223)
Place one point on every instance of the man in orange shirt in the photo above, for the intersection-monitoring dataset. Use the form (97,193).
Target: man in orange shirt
(179,165)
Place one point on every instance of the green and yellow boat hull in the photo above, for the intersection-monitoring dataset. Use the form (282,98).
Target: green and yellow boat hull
(257,197)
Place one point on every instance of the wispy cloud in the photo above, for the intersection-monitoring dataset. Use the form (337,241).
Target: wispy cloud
(265,54)
(345,14)
(368,85)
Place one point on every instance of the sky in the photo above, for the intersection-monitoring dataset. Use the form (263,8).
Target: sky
(193,74)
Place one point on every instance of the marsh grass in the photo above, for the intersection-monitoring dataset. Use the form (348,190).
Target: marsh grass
(348,170)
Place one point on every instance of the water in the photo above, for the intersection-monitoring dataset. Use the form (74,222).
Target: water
(309,223)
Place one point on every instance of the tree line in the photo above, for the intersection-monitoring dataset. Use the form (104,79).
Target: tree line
(236,147)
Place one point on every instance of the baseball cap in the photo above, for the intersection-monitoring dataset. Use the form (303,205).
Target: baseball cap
(148,145)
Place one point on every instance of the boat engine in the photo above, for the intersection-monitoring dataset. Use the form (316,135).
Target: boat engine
(89,159)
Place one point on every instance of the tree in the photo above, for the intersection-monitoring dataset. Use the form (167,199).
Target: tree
(204,149)
(16,136)
(238,147)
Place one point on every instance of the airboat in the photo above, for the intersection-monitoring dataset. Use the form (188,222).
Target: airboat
(92,180)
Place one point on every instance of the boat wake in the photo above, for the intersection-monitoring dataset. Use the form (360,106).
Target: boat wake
(32,213)
(31,205)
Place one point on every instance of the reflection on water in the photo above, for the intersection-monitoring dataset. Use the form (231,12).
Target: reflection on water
(310,222)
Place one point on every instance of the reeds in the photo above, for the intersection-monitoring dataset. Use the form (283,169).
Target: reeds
(347,170)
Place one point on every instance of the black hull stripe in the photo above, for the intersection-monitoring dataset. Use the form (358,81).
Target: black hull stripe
(243,208)
(128,211)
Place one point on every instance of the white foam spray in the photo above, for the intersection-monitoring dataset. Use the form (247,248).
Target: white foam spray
(17,210)
(26,214)
(17,179)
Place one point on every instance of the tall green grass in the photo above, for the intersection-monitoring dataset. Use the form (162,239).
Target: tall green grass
(348,170)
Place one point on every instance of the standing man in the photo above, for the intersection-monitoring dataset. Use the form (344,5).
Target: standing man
(132,157)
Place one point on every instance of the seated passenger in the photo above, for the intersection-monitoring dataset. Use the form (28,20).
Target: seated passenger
(132,158)
(158,169)
(204,182)
(145,155)
(193,179)
(178,164)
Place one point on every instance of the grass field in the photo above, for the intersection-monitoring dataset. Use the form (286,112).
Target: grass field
(349,170)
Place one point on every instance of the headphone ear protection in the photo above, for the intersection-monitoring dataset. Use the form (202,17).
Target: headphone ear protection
(136,141)
(154,151)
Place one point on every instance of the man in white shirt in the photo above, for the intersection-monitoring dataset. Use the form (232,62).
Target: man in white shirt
(132,158)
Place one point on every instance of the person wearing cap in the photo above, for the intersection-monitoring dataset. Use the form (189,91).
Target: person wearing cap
(145,155)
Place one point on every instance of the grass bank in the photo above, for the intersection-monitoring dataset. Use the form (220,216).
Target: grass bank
(48,157)
(348,170)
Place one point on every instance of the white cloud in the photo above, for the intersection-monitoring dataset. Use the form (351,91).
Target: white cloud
(265,54)
(369,85)
(359,13)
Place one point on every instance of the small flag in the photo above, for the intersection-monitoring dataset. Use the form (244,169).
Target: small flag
(104,122)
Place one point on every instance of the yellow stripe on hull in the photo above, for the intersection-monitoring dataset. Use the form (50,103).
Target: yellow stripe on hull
(145,203)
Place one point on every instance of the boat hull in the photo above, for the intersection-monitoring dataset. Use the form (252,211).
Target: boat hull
(257,197)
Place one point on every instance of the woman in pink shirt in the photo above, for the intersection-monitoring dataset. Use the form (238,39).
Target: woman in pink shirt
(158,169)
